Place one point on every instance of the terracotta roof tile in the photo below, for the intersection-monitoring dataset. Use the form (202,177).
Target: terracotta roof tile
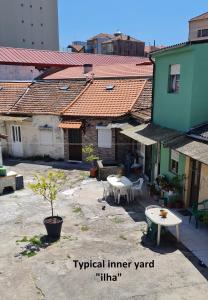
(115,70)
(97,101)
(10,93)
(49,96)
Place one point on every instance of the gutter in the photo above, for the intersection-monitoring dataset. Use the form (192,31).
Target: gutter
(153,87)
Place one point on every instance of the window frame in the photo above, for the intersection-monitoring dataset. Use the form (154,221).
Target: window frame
(174,77)
(171,169)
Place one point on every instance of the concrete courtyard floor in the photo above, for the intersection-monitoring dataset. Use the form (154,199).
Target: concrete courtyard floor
(92,230)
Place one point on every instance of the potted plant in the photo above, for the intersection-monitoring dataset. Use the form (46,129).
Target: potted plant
(48,186)
(89,152)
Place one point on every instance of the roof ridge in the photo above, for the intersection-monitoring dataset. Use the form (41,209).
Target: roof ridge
(20,98)
(139,94)
(75,100)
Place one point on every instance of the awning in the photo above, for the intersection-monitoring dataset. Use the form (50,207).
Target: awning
(122,126)
(70,125)
(190,147)
(14,119)
(150,134)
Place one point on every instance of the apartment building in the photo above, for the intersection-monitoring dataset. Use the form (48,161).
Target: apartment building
(29,24)
(198,27)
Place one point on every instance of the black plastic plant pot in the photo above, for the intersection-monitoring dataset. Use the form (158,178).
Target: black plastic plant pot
(53,226)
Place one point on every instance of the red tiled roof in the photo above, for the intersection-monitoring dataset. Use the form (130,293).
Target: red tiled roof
(10,93)
(122,37)
(46,58)
(116,70)
(101,35)
(77,48)
(97,101)
(49,97)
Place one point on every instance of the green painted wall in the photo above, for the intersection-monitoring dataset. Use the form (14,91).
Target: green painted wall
(165,162)
(190,106)
(199,104)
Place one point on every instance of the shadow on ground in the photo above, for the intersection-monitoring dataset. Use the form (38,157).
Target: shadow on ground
(63,165)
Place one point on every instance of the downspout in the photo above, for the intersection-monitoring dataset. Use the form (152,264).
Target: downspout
(152,112)
(153,87)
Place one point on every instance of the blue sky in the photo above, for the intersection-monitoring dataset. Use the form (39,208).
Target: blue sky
(161,20)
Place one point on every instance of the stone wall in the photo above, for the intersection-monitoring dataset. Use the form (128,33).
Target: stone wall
(124,143)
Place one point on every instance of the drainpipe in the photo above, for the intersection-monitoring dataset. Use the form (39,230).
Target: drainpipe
(152,111)
(153,86)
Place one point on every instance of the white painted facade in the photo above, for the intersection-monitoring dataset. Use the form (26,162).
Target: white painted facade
(37,136)
(12,72)
(29,24)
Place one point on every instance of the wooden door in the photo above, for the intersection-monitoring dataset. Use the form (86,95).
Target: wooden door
(195,181)
(75,144)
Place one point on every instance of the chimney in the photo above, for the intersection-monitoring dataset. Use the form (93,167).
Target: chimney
(87,68)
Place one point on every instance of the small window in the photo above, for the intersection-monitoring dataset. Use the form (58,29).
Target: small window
(109,87)
(22,4)
(24,40)
(41,24)
(174,159)
(104,138)
(23,21)
(32,24)
(42,43)
(64,88)
(174,78)
(41,8)
(30,5)
(33,43)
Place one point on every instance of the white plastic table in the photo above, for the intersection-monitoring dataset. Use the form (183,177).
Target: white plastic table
(119,183)
(171,220)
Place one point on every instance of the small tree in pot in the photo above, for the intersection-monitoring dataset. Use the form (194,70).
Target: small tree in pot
(89,151)
(48,186)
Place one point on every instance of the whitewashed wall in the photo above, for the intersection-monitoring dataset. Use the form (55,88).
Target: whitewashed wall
(37,142)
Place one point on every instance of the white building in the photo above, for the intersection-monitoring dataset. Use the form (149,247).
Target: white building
(29,24)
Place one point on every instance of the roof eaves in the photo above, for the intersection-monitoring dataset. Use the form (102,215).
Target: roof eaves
(172,47)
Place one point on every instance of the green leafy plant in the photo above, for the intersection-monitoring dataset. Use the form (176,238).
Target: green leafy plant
(48,186)
(89,151)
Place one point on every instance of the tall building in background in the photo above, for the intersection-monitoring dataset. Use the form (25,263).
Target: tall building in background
(198,27)
(29,24)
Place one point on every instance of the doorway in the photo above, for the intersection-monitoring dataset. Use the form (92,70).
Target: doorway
(195,181)
(75,144)
(17,148)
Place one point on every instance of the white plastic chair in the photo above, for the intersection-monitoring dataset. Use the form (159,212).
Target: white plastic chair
(136,187)
(122,192)
(106,189)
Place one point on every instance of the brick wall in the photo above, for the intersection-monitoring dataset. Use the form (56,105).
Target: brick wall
(90,137)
